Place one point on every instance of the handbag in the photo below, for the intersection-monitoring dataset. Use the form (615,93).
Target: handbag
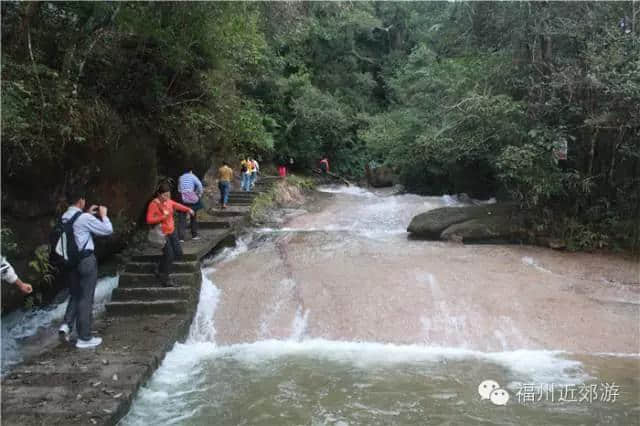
(156,237)
(190,197)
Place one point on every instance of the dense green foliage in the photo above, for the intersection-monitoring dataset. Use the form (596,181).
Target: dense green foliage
(454,96)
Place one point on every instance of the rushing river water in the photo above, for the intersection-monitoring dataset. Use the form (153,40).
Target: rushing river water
(337,318)
(28,332)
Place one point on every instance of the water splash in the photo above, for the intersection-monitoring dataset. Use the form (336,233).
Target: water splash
(299,326)
(20,325)
(527,260)
(203,327)
(348,190)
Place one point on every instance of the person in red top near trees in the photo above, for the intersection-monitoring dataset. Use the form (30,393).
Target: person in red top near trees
(324,164)
(160,211)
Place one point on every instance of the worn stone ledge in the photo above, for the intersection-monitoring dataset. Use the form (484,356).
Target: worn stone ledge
(68,386)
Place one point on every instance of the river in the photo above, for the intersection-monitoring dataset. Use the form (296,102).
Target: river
(337,318)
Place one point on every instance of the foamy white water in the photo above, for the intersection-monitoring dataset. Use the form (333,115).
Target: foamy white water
(276,365)
(203,329)
(20,325)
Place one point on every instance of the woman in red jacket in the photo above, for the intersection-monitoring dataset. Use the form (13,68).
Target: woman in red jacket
(160,211)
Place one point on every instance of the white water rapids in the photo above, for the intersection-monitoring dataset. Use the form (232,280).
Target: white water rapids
(35,330)
(336,318)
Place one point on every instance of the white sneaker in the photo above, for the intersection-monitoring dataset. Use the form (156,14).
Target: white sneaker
(63,332)
(196,238)
(91,343)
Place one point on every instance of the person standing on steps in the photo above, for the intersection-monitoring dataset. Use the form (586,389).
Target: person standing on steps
(160,211)
(10,276)
(190,188)
(225,176)
(83,276)
(255,168)
(246,169)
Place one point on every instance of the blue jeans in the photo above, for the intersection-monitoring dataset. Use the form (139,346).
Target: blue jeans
(254,178)
(223,186)
(246,181)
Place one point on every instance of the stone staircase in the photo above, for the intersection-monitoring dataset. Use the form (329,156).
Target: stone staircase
(139,291)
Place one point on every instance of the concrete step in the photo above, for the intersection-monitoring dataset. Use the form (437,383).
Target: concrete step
(242,194)
(240,202)
(156,307)
(152,293)
(136,280)
(150,267)
(192,249)
(227,213)
(241,198)
(216,224)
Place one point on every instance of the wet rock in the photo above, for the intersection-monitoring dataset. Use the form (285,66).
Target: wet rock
(431,224)
(505,229)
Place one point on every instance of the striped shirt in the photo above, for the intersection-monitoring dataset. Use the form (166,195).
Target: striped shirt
(189,182)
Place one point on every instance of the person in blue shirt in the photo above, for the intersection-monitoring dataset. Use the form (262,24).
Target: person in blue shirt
(191,190)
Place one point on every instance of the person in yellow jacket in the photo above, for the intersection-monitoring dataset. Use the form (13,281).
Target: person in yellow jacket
(246,168)
(225,176)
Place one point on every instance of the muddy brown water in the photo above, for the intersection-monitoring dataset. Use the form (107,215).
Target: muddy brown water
(337,318)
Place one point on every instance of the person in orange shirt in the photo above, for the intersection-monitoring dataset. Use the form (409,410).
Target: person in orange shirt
(160,211)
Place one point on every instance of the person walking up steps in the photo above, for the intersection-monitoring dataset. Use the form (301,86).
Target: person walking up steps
(160,211)
(83,276)
(225,176)
(254,172)
(246,169)
(190,188)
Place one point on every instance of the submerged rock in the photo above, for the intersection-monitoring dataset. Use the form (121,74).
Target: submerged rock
(485,222)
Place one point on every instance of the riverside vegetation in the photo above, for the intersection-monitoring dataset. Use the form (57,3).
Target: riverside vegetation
(454,97)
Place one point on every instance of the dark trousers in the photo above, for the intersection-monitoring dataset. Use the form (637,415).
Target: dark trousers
(171,251)
(182,222)
(71,280)
(82,282)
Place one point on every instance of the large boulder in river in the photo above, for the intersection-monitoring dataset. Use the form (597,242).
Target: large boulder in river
(503,229)
(432,224)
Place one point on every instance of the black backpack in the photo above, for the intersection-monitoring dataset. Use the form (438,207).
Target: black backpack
(63,250)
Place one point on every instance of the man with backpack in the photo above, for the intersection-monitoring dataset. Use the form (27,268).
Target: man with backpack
(75,252)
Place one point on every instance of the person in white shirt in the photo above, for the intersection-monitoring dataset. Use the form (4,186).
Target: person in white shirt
(10,276)
(84,276)
(254,172)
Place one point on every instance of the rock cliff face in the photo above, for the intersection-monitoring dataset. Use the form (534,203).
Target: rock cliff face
(122,179)
(490,223)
